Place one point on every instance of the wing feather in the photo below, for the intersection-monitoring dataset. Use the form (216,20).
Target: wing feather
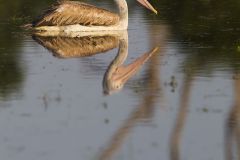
(73,12)
(67,47)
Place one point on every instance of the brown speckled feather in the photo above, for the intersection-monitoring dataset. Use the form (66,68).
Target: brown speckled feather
(65,47)
(73,12)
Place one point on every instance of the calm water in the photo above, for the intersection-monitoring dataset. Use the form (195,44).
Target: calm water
(180,102)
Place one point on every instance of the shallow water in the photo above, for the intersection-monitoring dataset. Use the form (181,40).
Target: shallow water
(182,102)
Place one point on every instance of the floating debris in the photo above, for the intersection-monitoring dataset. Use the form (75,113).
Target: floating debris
(205,110)
(173,83)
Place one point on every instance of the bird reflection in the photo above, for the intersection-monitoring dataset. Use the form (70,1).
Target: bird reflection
(144,110)
(147,106)
(86,44)
(117,74)
(232,133)
(79,46)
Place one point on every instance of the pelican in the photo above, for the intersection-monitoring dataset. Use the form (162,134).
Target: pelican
(72,16)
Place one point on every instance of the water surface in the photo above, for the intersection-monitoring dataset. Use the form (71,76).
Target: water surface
(182,102)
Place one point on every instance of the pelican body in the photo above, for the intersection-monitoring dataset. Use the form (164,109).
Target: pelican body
(79,16)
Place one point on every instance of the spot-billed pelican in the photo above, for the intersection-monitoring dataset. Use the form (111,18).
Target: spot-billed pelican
(77,16)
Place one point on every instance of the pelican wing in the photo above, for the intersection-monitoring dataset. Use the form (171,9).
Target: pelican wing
(66,47)
(73,12)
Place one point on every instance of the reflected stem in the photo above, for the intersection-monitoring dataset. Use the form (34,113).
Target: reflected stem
(180,120)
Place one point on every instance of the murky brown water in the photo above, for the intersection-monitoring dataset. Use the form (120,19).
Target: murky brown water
(173,95)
